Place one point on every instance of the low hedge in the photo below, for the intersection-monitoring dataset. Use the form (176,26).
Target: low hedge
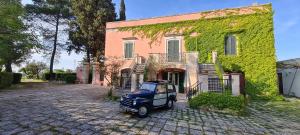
(70,78)
(6,79)
(17,78)
(218,101)
(60,76)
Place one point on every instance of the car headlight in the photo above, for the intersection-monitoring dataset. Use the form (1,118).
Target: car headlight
(121,99)
(134,102)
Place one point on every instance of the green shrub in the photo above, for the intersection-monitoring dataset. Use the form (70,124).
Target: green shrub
(17,78)
(70,78)
(218,101)
(6,79)
(61,76)
(46,76)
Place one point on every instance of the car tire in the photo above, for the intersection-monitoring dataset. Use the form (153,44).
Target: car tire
(170,104)
(143,111)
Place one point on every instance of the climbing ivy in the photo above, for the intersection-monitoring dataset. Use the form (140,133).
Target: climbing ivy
(255,48)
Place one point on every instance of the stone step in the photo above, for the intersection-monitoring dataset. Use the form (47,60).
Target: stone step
(139,68)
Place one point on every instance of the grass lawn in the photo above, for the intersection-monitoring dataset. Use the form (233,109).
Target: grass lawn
(32,80)
(290,107)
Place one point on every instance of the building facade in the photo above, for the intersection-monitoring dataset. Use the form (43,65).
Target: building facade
(189,46)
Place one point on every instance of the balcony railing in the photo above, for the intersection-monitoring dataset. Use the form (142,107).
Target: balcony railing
(169,58)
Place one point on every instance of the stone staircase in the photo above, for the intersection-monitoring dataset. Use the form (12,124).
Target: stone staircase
(136,69)
(208,69)
(139,68)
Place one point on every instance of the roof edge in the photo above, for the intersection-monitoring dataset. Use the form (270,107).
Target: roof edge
(177,15)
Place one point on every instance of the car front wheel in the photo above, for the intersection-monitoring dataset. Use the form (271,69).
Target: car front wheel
(170,104)
(143,111)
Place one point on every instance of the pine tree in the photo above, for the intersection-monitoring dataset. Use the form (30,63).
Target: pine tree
(91,16)
(50,17)
(122,11)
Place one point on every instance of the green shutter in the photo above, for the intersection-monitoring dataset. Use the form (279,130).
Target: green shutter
(230,45)
(173,50)
(128,50)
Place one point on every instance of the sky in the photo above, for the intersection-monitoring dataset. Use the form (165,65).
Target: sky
(286,21)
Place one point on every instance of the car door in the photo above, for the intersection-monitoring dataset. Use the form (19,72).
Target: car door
(171,90)
(160,97)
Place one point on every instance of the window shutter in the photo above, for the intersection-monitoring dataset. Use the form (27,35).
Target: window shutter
(233,45)
(230,45)
(128,50)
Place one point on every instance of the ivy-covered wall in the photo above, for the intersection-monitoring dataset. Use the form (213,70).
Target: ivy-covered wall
(255,49)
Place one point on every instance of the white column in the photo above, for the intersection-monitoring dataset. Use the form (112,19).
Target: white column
(85,72)
(203,79)
(133,82)
(235,84)
(192,70)
(141,78)
(214,56)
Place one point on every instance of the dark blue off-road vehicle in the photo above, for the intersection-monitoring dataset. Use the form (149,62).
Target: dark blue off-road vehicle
(150,95)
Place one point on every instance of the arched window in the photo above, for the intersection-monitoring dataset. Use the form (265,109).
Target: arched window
(230,45)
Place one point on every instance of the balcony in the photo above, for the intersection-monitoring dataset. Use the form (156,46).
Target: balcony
(165,58)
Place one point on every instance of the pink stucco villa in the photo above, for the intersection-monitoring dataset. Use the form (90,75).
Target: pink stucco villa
(183,65)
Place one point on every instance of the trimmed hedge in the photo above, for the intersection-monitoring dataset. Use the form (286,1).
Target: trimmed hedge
(70,78)
(218,101)
(17,78)
(6,79)
(60,76)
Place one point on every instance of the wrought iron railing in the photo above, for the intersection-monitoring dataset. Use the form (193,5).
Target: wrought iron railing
(219,85)
(193,90)
(169,58)
(214,85)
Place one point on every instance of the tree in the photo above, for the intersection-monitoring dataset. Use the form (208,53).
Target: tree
(78,43)
(51,18)
(33,69)
(122,11)
(16,43)
(91,16)
(112,68)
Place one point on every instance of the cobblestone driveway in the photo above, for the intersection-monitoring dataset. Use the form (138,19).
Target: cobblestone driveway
(80,109)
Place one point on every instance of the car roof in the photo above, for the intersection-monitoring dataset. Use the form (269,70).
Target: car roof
(159,81)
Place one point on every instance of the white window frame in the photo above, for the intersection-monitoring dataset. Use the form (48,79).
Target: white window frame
(133,48)
(179,38)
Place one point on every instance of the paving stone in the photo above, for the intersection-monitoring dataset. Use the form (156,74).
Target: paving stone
(80,109)
(164,132)
(182,130)
(47,133)
(195,132)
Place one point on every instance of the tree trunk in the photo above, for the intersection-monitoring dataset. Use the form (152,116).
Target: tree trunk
(88,58)
(54,48)
(8,67)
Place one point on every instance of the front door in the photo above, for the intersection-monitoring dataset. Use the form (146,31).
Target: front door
(160,97)
(173,50)
(173,77)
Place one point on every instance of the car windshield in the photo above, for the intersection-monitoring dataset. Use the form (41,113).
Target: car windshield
(148,86)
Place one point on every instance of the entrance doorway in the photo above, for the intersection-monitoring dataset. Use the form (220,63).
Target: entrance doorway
(125,81)
(173,77)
